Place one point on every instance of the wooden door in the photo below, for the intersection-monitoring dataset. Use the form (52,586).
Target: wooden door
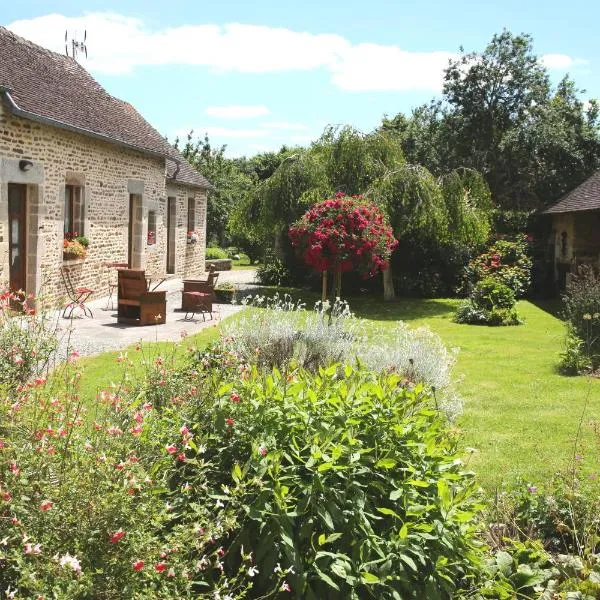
(171,235)
(17,236)
(130,231)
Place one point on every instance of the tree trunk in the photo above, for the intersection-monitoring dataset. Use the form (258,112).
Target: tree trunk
(388,285)
(324,288)
(337,283)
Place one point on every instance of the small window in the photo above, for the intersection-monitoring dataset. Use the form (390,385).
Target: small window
(151,227)
(191,225)
(74,212)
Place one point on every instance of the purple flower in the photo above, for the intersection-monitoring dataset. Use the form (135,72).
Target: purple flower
(532,489)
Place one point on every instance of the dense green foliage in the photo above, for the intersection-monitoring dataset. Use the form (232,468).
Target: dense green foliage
(582,311)
(491,303)
(500,115)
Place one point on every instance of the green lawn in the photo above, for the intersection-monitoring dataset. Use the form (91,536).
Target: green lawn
(520,414)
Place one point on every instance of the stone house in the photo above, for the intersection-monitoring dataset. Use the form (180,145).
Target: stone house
(576,229)
(76,160)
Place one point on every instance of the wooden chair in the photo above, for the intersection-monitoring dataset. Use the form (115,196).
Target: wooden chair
(137,305)
(198,294)
(78,296)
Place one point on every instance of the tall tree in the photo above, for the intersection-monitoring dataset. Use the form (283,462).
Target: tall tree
(230,183)
(500,116)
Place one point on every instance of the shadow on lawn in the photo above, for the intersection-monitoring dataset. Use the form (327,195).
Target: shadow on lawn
(553,306)
(401,309)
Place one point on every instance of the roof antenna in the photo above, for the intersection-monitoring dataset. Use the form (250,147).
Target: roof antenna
(76,47)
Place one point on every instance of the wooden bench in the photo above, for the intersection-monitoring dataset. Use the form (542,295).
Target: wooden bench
(138,306)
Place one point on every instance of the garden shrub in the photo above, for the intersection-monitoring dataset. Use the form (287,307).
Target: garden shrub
(272,271)
(216,253)
(345,484)
(573,359)
(27,340)
(507,261)
(85,505)
(284,335)
(582,310)
(491,303)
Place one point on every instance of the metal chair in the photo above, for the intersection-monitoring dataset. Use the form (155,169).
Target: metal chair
(77,296)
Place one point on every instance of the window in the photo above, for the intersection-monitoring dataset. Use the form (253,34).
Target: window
(74,212)
(151,227)
(191,224)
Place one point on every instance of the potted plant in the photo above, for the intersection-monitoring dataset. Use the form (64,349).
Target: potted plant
(73,249)
(225,293)
(192,237)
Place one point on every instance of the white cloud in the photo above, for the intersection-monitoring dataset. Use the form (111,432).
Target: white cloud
(118,44)
(371,67)
(284,125)
(561,61)
(237,111)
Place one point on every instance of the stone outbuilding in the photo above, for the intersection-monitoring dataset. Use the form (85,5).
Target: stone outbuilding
(75,161)
(576,229)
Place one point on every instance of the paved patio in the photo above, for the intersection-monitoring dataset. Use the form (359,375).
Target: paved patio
(102,333)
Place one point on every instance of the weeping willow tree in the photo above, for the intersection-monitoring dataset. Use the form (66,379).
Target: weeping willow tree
(421,208)
(468,204)
(418,206)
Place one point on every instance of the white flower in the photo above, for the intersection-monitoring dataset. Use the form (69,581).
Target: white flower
(252,571)
(70,561)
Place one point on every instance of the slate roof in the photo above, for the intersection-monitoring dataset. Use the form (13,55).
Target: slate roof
(584,197)
(45,86)
(186,174)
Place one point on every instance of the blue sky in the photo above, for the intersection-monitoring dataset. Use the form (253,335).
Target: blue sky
(259,74)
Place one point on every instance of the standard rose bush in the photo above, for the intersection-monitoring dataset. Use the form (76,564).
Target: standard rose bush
(343,234)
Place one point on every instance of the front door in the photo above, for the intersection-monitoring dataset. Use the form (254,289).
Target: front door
(17,251)
(171,235)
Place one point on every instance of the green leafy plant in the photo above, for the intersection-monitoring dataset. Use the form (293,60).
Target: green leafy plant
(216,253)
(582,310)
(272,271)
(491,303)
(573,359)
(345,483)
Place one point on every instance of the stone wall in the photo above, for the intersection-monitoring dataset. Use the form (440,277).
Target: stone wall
(108,174)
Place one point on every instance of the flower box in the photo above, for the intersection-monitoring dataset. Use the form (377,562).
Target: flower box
(192,237)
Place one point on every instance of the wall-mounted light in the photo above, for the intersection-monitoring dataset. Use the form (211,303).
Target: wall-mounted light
(25,165)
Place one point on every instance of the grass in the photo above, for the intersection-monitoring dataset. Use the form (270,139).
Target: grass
(103,370)
(521,415)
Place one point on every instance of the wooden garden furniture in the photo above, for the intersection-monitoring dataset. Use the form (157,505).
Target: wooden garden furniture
(197,295)
(136,305)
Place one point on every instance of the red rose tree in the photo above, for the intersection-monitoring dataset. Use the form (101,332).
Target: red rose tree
(344,234)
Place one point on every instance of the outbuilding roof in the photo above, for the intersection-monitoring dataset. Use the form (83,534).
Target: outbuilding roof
(54,89)
(584,197)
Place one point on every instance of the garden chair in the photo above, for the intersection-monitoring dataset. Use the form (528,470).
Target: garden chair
(198,295)
(136,305)
(78,296)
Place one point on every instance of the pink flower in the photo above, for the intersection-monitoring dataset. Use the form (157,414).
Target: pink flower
(184,431)
(230,422)
(160,567)
(138,417)
(171,448)
(138,565)
(31,549)
(46,505)
(116,536)
(263,451)
(235,397)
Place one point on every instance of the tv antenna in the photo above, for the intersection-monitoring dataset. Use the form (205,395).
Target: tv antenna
(76,47)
